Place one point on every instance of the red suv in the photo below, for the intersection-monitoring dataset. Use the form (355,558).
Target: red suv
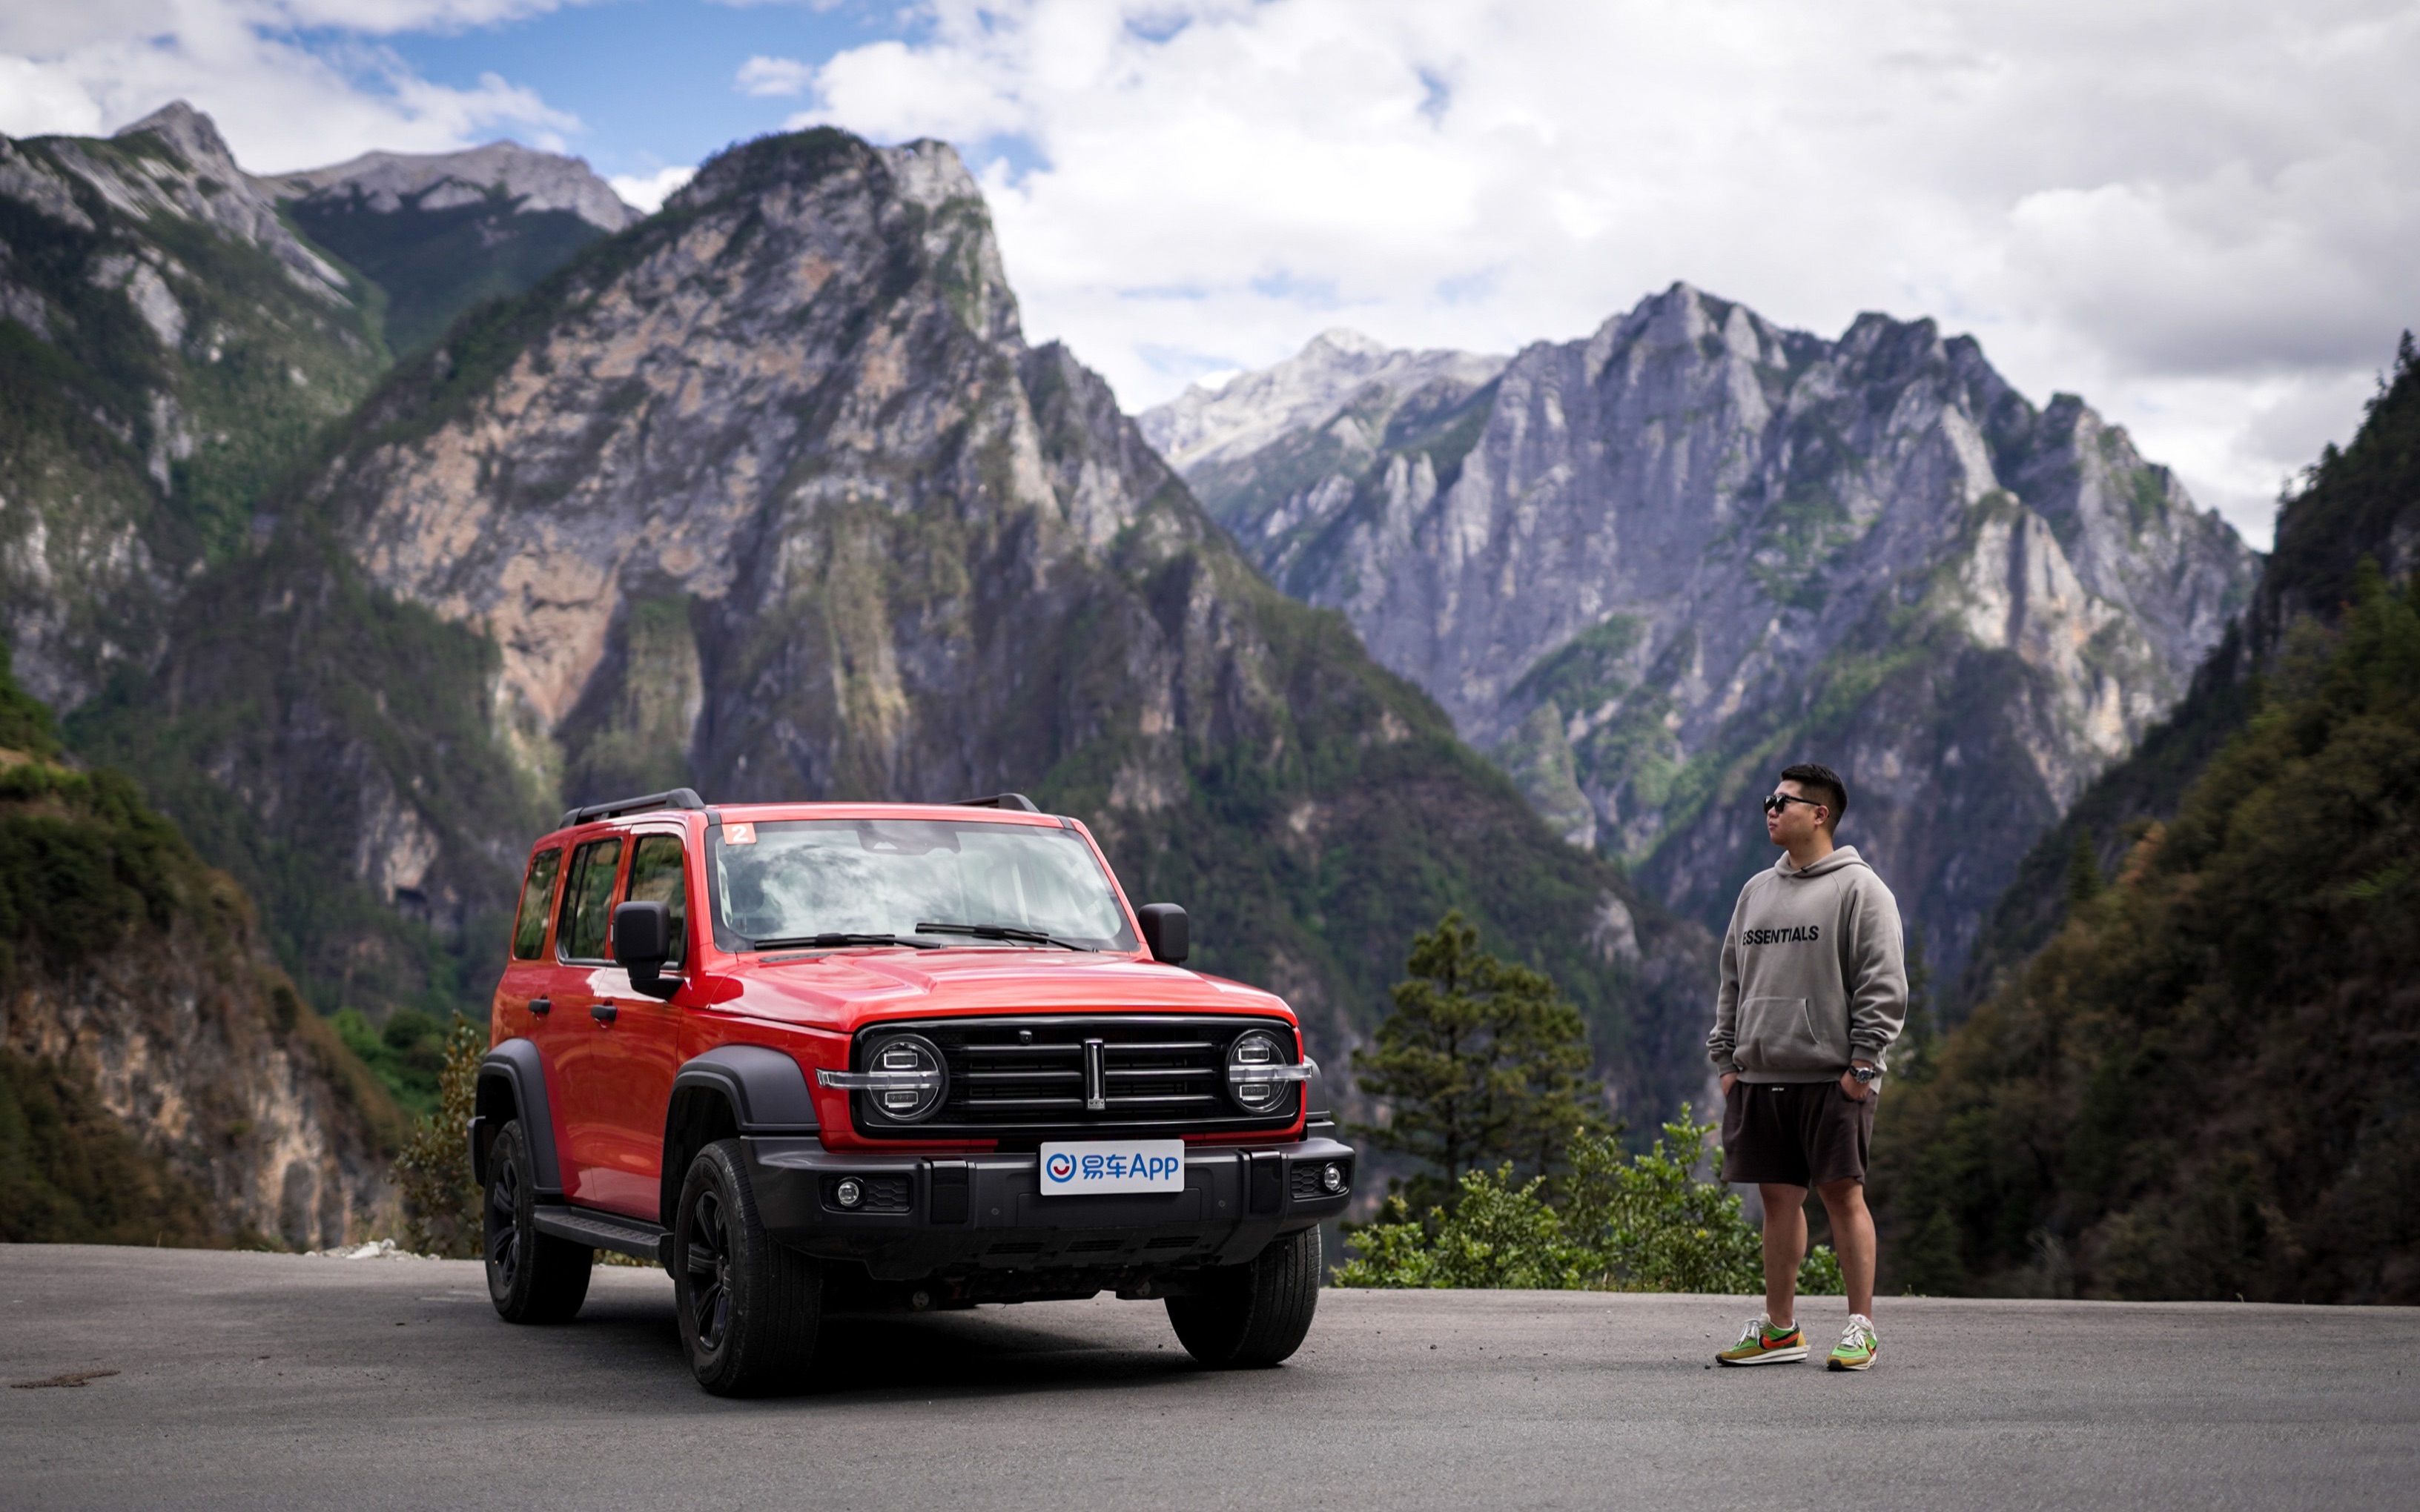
(849,1056)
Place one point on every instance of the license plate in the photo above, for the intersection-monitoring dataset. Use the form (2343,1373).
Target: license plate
(1105,1165)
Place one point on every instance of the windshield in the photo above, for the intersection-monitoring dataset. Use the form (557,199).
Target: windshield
(798,879)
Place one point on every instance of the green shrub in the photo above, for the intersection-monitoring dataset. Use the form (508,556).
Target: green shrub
(1619,1222)
(440,1200)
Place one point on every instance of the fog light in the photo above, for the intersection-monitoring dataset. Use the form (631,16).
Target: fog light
(1332,1178)
(849,1192)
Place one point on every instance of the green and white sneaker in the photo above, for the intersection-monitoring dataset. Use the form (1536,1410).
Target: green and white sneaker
(1859,1345)
(1760,1343)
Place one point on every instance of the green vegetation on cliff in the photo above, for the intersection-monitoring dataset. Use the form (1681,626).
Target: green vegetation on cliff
(432,265)
(2363,499)
(2200,1087)
(102,902)
(303,715)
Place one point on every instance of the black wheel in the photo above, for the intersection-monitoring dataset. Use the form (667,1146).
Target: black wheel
(749,1307)
(1254,1314)
(532,1277)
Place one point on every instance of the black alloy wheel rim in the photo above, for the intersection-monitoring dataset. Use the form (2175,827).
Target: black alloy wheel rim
(710,1271)
(504,1222)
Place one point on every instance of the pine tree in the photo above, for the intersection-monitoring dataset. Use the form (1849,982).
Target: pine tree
(1481,1062)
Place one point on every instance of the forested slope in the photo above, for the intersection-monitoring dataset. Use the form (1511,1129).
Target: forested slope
(2203,1085)
(160,1080)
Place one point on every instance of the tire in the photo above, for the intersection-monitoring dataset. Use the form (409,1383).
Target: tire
(532,1277)
(749,1306)
(1256,1314)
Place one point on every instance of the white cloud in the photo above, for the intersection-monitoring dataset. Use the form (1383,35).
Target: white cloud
(93,67)
(648,191)
(2198,214)
(762,75)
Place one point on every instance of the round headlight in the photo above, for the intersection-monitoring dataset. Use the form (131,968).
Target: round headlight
(1255,1051)
(910,1078)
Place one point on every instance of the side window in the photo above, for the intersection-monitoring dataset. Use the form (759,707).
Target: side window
(656,878)
(529,928)
(588,902)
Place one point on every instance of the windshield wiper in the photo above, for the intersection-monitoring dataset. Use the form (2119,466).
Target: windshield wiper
(1002,931)
(829,942)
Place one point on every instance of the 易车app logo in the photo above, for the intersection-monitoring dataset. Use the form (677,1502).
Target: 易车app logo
(1061,1167)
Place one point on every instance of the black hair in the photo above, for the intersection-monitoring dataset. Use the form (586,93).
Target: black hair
(1822,784)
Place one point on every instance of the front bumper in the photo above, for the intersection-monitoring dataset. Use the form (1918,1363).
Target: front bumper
(982,1222)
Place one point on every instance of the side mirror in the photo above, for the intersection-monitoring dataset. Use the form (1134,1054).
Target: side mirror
(1165,930)
(642,941)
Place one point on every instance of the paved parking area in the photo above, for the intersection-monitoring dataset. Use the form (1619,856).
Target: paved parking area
(257,1380)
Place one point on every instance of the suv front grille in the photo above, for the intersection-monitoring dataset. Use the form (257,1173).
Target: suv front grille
(1014,1077)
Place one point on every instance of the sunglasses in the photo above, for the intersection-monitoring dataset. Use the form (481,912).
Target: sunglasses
(1776,802)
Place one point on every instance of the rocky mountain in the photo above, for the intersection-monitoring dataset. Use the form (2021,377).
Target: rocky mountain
(167,347)
(535,181)
(160,1079)
(769,495)
(439,232)
(171,344)
(2361,502)
(1649,568)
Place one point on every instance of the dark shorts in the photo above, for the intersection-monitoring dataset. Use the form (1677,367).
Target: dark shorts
(1796,1133)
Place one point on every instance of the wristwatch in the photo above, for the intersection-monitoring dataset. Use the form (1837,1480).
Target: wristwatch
(1864,1074)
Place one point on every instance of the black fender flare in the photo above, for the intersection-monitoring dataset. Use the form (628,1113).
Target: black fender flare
(735,1089)
(512,1085)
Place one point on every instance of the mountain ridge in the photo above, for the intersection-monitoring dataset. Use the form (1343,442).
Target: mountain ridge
(769,496)
(1648,567)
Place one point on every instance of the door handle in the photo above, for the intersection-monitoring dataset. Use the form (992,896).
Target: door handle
(604,1012)
(540,1008)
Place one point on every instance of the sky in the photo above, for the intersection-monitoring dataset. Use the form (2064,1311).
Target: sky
(2201,215)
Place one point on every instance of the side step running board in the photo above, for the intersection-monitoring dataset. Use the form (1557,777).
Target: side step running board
(636,1237)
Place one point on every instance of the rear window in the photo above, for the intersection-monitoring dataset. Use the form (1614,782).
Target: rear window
(656,878)
(588,900)
(529,927)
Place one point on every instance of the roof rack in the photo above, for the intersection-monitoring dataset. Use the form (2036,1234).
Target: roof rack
(1016,801)
(676,798)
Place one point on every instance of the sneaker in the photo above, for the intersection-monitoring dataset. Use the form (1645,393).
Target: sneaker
(1859,1345)
(1760,1343)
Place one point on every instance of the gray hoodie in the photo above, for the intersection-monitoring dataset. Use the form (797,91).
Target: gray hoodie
(1812,973)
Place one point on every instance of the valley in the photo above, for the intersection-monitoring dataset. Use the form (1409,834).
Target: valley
(355,522)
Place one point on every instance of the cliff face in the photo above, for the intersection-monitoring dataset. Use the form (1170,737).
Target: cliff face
(160,1079)
(768,495)
(1649,568)
(2361,502)
(167,347)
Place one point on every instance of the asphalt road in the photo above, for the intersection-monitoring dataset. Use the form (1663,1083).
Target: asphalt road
(257,1380)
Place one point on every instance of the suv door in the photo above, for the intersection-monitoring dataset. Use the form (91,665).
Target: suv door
(625,1078)
(571,1035)
(520,1000)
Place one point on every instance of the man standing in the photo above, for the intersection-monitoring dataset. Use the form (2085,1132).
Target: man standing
(1814,989)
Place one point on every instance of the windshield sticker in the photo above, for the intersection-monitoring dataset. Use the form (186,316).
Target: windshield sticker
(739,834)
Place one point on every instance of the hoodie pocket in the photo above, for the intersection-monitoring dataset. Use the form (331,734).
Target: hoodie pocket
(1778,1035)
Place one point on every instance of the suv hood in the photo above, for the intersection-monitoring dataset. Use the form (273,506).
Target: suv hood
(846,990)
